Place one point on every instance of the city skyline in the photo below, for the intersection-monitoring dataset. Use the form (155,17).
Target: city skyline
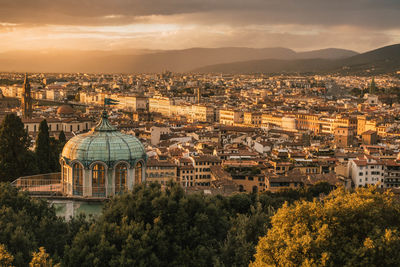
(358,25)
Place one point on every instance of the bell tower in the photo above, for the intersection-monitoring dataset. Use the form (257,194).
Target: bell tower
(26,100)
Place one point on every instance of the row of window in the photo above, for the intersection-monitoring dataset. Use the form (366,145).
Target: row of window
(57,128)
(161,175)
(372,179)
(98,178)
(160,168)
(366,173)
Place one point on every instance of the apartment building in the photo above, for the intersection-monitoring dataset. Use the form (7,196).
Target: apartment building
(367,170)
(230,116)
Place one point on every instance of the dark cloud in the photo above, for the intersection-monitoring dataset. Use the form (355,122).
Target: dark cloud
(363,13)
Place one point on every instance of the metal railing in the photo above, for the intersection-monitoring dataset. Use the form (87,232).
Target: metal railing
(42,183)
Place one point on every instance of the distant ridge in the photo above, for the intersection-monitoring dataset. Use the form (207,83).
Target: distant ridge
(148,61)
(382,60)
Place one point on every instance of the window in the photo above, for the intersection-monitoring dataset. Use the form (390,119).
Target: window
(121,173)
(360,174)
(138,173)
(98,181)
(77,177)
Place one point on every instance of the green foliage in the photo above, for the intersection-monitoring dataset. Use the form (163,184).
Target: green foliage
(27,224)
(15,158)
(61,138)
(346,229)
(149,226)
(46,150)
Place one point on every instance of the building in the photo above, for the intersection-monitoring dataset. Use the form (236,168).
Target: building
(161,171)
(202,172)
(367,170)
(230,117)
(344,137)
(253,118)
(203,113)
(102,163)
(369,137)
(392,174)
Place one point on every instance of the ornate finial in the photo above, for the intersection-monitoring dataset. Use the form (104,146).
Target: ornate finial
(104,125)
(104,114)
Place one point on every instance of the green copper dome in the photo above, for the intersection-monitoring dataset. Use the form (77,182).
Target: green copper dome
(104,143)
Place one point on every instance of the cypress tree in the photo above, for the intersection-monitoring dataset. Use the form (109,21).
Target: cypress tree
(15,158)
(61,138)
(43,150)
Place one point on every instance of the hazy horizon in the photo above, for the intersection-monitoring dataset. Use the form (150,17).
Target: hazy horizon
(101,25)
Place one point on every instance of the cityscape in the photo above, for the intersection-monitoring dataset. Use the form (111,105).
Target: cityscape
(127,140)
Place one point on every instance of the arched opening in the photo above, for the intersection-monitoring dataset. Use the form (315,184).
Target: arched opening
(255,189)
(121,174)
(98,181)
(241,188)
(77,179)
(138,173)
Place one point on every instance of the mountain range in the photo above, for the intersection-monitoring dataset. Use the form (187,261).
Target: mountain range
(378,61)
(221,60)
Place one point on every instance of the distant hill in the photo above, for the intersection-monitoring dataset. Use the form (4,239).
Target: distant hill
(139,61)
(329,53)
(382,60)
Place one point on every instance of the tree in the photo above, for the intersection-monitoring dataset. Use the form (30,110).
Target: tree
(61,138)
(41,259)
(43,149)
(153,227)
(239,247)
(15,158)
(46,150)
(358,228)
(27,224)
(6,258)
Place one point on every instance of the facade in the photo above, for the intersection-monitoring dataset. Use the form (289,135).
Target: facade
(344,137)
(161,171)
(367,170)
(252,118)
(230,117)
(202,172)
(102,162)
(70,125)
(203,113)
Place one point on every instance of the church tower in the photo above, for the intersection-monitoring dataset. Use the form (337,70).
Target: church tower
(26,100)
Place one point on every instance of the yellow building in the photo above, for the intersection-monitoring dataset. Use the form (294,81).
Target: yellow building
(202,172)
(230,116)
(308,122)
(161,171)
(203,113)
(253,118)
(267,119)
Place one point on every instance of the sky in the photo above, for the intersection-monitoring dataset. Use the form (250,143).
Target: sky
(119,25)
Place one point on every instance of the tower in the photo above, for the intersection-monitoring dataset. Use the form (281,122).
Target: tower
(372,87)
(26,100)
(198,95)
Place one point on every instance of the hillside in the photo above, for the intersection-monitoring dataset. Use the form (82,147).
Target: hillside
(382,60)
(139,61)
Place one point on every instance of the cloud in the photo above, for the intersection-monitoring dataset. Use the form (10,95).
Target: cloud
(365,13)
(175,24)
